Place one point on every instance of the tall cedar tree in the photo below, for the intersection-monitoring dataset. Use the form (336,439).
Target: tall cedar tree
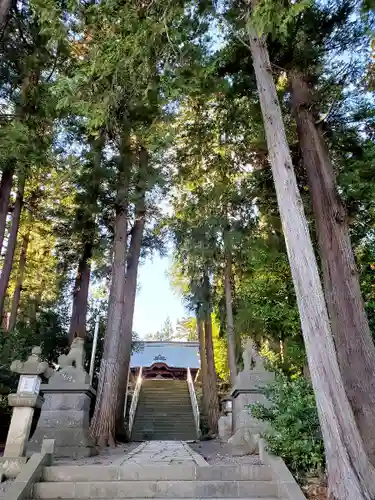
(5,190)
(354,344)
(351,475)
(132,265)
(103,424)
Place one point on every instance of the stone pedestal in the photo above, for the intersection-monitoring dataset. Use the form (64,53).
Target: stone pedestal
(65,418)
(248,390)
(66,409)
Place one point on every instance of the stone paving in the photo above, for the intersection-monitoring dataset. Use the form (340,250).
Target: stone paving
(163,453)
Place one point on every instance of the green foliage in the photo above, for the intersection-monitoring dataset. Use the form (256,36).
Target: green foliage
(220,351)
(46,330)
(275,17)
(186,329)
(295,431)
(166,332)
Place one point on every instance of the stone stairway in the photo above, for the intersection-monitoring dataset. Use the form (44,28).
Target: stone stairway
(164,412)
(68,482)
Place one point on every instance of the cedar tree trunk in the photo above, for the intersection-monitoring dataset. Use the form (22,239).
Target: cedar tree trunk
(81,294)
(12,241)
(349,324)
(103,424)
(5,189)
(350,473)
(21,273)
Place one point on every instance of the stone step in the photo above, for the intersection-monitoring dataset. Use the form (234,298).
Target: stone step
(146,398)
(168,387)
(165,422)
(188,415)
(148,424)
(165,387)
(171,392)
(179,408)
(163,413)
(130,472)
(166,401)
(144,435)
(154,489)
(164,433)
(176,418)
(163,390)
(163,397)
(172,417)
(160,407)
(170,430)
(164,382)
(140,438)
(247,498)
(164,404)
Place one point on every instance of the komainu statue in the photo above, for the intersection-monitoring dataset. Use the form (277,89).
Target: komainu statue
(75,357)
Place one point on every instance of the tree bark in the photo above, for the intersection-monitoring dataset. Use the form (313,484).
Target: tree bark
(5,6)
(103,423)
(203,362)
(230,323)
(350,474)
(129,297)
(12,241)
(127,319)
(350,328)
(80,294)
(21,272)
(5,190)
(213,410)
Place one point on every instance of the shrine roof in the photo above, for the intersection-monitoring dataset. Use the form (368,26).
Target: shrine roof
(173,354)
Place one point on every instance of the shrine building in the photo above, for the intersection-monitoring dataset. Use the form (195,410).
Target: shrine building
(165,360)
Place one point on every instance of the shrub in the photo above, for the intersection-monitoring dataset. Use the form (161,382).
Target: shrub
(45,331)
(295,431)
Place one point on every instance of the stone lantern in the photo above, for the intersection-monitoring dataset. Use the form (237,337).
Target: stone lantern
(225,421)
(24,402)
(226,405)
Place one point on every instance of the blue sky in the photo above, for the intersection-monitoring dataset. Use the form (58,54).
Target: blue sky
(155,298)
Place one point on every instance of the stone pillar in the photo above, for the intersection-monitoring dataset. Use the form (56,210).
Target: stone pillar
(66,409)
(248,390)
(24,403)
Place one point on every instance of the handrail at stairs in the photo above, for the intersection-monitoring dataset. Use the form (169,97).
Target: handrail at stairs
(194,401)
(134,403)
